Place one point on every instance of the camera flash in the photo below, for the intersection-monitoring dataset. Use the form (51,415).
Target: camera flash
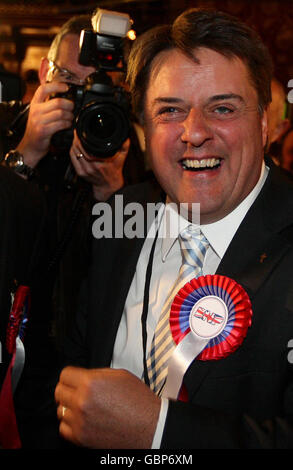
(112,23)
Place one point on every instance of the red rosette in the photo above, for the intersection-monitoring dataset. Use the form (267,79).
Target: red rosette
(18,317)
(230,296)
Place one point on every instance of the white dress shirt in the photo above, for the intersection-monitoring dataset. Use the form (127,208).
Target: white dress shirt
(128,348)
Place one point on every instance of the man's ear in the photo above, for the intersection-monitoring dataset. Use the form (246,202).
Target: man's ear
(43,70)
(281,129)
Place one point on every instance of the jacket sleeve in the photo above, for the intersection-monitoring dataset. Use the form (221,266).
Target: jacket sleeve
(194,427)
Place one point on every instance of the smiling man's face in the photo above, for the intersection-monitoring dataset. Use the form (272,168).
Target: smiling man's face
(204,132)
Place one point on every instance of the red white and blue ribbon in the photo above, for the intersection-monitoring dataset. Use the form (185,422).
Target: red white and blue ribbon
(209,319)
(9,436)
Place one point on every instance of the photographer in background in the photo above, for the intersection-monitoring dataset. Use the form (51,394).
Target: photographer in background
(72,182)
(47,116)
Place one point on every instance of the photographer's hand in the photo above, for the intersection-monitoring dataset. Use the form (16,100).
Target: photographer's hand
(106,176)
(45,118)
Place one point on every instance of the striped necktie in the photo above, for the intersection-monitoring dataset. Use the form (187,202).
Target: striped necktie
(193,248)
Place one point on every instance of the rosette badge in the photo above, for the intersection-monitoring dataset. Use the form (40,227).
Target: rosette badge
(209,319)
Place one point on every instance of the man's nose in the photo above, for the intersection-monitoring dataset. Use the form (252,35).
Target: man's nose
(196,129)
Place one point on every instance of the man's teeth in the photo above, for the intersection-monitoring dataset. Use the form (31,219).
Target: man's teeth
(204,163)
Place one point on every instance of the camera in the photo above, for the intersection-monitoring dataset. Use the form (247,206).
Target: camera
(101,110)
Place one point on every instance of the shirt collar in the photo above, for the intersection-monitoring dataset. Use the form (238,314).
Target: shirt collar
(219,234)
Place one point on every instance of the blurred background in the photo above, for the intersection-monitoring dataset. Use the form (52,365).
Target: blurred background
(27,27)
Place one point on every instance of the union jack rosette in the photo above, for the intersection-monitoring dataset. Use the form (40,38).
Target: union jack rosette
(213,308)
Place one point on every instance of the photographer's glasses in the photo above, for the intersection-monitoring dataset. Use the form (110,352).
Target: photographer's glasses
(63,75)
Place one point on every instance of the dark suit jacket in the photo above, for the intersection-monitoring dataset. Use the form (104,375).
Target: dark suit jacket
(246,399)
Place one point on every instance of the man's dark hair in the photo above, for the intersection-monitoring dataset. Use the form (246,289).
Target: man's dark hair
(197,28)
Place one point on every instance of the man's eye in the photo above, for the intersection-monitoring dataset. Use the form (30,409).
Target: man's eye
(167,110)
(171,113)
(223,110)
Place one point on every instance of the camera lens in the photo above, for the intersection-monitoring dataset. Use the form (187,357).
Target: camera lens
(102,128)
(102,124)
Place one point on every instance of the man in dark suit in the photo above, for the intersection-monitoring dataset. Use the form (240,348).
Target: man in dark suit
(201,87)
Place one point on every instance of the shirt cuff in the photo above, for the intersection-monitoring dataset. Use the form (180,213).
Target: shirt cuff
(160,424)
